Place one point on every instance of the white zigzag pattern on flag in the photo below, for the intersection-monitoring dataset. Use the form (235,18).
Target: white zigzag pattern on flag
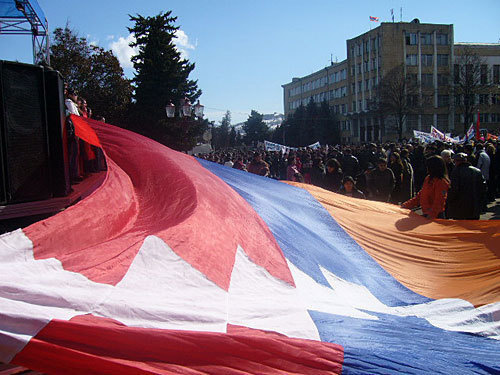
(161,290)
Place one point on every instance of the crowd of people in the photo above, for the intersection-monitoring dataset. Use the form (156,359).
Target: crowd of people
(454,181)
(84,158)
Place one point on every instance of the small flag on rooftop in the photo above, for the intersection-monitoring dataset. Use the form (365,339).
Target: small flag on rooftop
(375,19)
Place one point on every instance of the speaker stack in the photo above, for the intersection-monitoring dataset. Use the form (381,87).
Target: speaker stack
(33,156)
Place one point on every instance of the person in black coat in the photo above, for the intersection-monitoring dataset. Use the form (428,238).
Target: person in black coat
(333,176)
(318,172)
(380,182)
(466,190)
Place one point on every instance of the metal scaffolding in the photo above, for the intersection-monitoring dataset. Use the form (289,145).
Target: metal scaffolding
(25,17)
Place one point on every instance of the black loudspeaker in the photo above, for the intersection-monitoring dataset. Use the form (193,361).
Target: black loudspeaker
(58,145)
(25,159)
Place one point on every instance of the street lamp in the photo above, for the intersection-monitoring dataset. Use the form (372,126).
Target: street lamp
(198,110)
(185,109)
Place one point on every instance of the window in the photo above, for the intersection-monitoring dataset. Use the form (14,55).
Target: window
(427,80)
(411,38)
(411,60)
(483,99)
(343,91)
(456,74)
(367,84)
(426,60)
(426,39)
(496,73)
(354,106)
(360,86)
(412,100)
(443,79)
(412,78)
(359,68)
(484,74)
(442,60)
(442,39)
(484,117)
(442,121)
(443,100)
(344,108)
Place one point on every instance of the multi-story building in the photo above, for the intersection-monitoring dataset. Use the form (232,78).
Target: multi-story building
(426,53)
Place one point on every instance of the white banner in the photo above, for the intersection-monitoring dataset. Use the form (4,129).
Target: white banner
(314,146)
(271,146)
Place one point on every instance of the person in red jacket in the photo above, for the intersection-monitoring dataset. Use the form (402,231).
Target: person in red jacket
(432,197)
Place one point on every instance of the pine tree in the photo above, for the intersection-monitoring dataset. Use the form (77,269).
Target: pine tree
(162,76)
(224,129)
(232,137)
(255,128)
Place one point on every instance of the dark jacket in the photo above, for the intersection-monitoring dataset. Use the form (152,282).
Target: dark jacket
(318,176)
(466,192)
(350,165)
(333,181)
(381,184)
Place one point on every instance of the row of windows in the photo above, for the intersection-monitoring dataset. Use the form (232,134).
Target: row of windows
(367,84)
(485,75)
(426,38)
(427,80)
(340,108)
(367,66)
(427,59)
(366,46)
(338,76)
(359,106)
(338,93)
(489,117)
(318,98)
(320,82)
(345,125)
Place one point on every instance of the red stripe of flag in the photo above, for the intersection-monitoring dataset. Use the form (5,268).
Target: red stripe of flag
(89,344)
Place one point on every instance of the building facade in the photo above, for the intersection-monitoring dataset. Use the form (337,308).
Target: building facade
(426,53)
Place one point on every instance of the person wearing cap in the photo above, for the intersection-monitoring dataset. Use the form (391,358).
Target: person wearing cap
(432,197)
(466,190)
(349,188)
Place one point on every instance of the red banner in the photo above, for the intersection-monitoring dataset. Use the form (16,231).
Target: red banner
(84,131)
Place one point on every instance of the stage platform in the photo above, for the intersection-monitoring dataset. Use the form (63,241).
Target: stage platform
(54,205)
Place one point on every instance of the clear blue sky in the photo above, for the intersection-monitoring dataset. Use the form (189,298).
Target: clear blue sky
(245,50)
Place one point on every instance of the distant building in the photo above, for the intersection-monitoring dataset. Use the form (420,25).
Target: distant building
(426,52)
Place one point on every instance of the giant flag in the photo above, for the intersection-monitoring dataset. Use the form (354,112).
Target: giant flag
(179,265)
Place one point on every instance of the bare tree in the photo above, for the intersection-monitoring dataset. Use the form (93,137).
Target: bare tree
(470,78)
(397,97)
